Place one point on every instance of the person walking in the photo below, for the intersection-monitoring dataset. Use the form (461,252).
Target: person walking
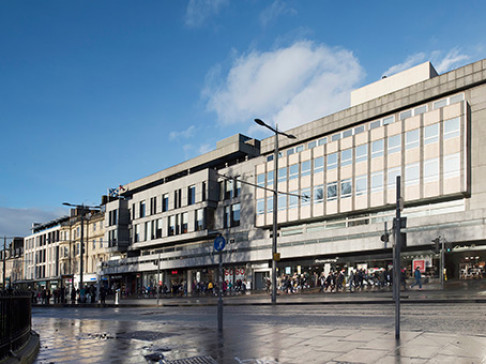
(418,278)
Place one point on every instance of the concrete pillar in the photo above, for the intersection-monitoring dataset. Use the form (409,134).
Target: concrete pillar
(189,279)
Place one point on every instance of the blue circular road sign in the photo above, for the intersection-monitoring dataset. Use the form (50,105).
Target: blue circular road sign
(219,243)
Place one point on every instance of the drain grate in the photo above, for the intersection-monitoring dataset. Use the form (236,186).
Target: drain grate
(194,360)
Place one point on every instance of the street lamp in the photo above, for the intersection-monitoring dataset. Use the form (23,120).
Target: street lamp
(275,196)
(82,209)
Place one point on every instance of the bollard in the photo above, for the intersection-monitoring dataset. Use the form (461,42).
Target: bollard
(117,297)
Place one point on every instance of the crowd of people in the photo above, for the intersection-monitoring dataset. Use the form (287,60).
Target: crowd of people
(338,280)
(86,294)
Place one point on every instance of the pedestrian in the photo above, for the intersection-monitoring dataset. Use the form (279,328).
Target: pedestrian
(102,295)
(73,295)
(418,278)
(351,280)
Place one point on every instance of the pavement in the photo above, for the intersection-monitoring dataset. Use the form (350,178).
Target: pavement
(111,341)
(470,291)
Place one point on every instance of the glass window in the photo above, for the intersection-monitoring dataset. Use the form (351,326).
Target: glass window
(184,222)
(270,158)
(226,217)
(199,219)
(142,209)
(235,214)
(293,200)
(332,191)
(347,133)
(290,151)
(412,139)
(306,168)
(282,174)
(392,177)
(362,153)
(346,157)
(270,204)
(165,202)
(306,196)
(294,171)
(346,188)
(361,185)
(412,174)
(171,225)
(452,165)
(420,110)
(311,145)
(191,195)
(405,114)
(228,188)
(451,128)
(269,178)
(431,170)
(336,137)
(299,148)
(359,129)
(332,161)
(318,165)
(439,104)
(261,180)
(238,188)
(377,182)
(318,193)
(394,143)
(389,120)
(431,134)
(322,141)
(377,148)
(375,124)
(456,98)
(282,202)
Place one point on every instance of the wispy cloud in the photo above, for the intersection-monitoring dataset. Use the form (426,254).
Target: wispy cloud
(198,11)
(291,85)
(411,61)
(452,59)
(275,10)
(442,63)
(188,133)
(18,222)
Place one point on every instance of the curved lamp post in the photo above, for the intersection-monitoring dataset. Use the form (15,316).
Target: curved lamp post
(275,196)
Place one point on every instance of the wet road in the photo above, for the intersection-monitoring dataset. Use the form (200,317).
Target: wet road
(130,335)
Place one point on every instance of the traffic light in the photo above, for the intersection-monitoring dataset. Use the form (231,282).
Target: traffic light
(403,225)
(436,241)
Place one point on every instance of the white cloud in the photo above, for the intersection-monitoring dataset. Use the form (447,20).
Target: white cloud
(18,222)
(441,63)
(411,61)
(273,11)
(188,133)
(291,85)
(198,11)
(453,59)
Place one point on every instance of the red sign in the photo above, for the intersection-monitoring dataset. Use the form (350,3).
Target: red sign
(420,263)
(174,272)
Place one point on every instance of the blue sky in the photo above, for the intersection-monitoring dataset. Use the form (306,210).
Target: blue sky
(94,94)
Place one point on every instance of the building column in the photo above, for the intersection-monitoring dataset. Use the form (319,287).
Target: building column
(189,279)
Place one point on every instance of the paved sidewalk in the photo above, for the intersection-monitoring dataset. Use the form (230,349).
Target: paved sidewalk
(454,292)
(85,341)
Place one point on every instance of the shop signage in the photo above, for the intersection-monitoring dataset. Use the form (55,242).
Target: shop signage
(420,263)
(323,261)
(174,272)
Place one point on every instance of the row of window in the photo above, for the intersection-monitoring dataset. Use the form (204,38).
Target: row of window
(430,134)
(344,189)
(372,125)
(176,224)
(176,202)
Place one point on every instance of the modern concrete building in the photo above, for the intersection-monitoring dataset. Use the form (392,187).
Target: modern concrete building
(426,128)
